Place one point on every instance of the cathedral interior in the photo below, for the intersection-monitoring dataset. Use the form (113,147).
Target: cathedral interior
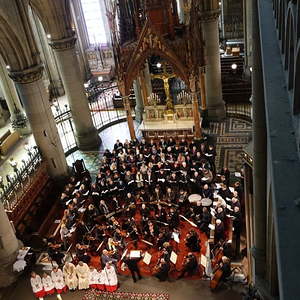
(149,149)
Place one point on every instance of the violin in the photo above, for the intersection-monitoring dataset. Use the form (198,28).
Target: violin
(82,247)
(55,246)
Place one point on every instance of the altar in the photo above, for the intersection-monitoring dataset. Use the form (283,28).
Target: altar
(177,129)
(169,120)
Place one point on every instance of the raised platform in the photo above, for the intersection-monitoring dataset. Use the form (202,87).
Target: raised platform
(165,129)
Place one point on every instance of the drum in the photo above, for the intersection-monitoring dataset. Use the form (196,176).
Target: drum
(206,202)
(193,198)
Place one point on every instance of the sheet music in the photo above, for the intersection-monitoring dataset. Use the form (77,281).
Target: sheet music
(203,260)
(147,258)
(135,254)
(175,236)
(237,174)
(211,226)
(229,207)
(231,189)
(173,257)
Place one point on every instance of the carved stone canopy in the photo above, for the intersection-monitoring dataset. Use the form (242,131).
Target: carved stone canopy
(28,75)
(63,44)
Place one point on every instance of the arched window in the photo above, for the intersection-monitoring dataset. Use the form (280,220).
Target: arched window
(94,22)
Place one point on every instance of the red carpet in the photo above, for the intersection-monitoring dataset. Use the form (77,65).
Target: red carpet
(180,249)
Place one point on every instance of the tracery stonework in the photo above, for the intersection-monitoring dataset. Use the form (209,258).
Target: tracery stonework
(28,75)
(63,44)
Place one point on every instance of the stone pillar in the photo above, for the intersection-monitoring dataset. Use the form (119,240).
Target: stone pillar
(139,106)
(147,77)
(126,102)
(202,91)
(193,86)
(12,98)
(144,92)
(180,9)
(86,134)
(55,87)
(259,155)
(248,35)
(83,39)
(34,96)
(9,246)
(209,16)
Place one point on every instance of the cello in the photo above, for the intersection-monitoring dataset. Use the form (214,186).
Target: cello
(214,282)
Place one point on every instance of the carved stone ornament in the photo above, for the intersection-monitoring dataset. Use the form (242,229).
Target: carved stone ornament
(28,75)
(209,16)
(63,44)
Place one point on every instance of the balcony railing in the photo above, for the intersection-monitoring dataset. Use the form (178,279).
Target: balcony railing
(18,183)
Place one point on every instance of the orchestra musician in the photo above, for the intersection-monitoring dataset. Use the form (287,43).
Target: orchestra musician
(133,267)
(221,272)
(190,265)
(192,241)
(162,270)
(165,166)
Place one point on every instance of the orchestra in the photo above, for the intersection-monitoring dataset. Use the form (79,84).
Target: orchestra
(141,196)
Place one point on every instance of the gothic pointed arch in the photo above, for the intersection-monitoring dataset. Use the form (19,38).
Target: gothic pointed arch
(55,15)
(11,48)
(152,43)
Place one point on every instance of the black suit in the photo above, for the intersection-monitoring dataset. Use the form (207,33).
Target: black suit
(133,267)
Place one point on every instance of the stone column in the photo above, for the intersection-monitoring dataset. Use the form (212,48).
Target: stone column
(55,87)
(147,77)
(34,96)
(259,155)
(139,106)
(83,39)
(144,91)
(180,9)
(12,98)
(209,16)
(248,34)
(193,86)
(126,102)
(202,91)
(86,134)
(9,246)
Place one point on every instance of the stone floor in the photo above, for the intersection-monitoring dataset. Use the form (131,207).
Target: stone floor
(178,290)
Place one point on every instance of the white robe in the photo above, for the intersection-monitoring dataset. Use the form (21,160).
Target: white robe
(71,279)
(83,273)
(36,284)
(58,279)
(101,277)
(48,283)
(110,276)
(94,277)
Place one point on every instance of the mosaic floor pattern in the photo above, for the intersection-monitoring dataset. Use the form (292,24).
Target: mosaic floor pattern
(230,137)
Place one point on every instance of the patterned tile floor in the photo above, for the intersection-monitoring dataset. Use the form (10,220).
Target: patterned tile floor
(230,137)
